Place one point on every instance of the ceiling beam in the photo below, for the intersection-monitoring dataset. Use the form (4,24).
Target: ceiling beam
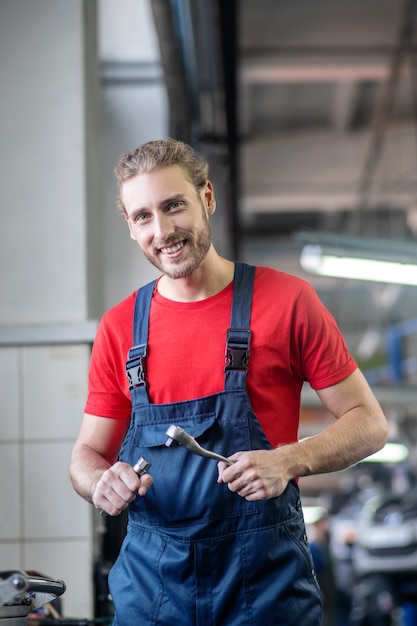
(320,171)
(280,69)
(319,202)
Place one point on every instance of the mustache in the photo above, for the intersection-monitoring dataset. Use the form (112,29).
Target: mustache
(170,241)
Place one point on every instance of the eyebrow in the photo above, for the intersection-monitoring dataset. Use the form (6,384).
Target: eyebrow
(174,198)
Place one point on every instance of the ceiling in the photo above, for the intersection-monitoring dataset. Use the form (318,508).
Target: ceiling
(326,104)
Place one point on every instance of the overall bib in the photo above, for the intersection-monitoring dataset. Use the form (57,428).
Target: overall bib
(195,553)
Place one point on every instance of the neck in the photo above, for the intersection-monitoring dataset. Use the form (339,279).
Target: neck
(213,275)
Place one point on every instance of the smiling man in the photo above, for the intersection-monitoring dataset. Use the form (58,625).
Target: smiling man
(214,544)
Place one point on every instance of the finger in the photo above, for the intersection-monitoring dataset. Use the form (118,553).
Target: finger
(146,482)
(238,485)
(108,506)
(246,483)
(116,489)
(232,472)
(129,478)
(221,466)
(116,503)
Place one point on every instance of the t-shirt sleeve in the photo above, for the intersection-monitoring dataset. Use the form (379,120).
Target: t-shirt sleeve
(108,395)
(321,354)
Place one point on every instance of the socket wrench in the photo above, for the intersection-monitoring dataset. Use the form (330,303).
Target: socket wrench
(178,434)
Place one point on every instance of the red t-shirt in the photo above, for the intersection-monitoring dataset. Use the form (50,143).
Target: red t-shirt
(294,339)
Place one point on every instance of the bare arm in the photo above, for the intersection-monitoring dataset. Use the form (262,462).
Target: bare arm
(359,430)
(94,470)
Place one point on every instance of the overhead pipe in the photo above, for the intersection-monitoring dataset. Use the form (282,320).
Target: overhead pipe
(172,63)
(229,47)
(198,43)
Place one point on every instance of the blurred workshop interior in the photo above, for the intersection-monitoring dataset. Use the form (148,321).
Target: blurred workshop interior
(307,112)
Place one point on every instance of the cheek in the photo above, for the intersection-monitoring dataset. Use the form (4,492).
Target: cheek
(142,237)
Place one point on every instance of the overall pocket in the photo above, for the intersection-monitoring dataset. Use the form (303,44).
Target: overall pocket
(185,489)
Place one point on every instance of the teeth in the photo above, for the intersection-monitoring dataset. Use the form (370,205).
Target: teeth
(172,249)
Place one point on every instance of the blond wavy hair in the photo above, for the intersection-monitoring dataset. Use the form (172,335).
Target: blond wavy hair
(159,154)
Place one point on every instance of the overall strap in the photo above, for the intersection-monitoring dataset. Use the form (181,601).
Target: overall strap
(238,336)
(135,369)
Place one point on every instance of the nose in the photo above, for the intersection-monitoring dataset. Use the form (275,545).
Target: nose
(163,226)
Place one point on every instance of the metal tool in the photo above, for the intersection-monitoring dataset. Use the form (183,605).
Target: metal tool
(140,467)
(12,584)
(178,434)
(22,593)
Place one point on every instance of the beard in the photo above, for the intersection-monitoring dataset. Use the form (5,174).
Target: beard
(196,248)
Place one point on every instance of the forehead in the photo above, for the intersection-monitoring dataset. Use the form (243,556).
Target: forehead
(158,184)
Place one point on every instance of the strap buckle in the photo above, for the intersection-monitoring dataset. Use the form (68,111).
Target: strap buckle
(237,349)
(135,367)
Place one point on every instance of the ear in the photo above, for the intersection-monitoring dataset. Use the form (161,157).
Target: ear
(209,198)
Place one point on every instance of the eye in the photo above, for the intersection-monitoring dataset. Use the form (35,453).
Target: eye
(140,218)
(175,205)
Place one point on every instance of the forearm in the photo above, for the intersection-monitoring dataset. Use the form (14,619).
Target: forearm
(359,430)
(95,450)
(110,487)
(344,443)
(86,469)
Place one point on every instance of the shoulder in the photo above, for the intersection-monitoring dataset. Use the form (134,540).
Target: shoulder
(116,324)
(114,334)
(268,279)
(287,297)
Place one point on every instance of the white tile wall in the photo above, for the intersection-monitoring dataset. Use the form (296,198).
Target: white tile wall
(44,525)
(10,378)
(52,509)
(70,561)
(54,391)
(10,488)
(10,555)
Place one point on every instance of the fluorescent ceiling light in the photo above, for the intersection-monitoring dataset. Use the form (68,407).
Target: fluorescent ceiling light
(376,260)
(390,453)
(315,261)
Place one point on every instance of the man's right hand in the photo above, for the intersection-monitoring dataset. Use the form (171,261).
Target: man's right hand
(118,486)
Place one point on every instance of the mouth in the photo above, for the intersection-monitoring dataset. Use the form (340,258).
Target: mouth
(173,249)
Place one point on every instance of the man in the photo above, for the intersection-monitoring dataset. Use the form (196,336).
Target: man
(215,544)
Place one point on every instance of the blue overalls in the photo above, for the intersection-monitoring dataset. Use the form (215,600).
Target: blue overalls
(195,553)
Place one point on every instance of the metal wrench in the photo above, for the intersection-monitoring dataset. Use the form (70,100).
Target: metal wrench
(178,434)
